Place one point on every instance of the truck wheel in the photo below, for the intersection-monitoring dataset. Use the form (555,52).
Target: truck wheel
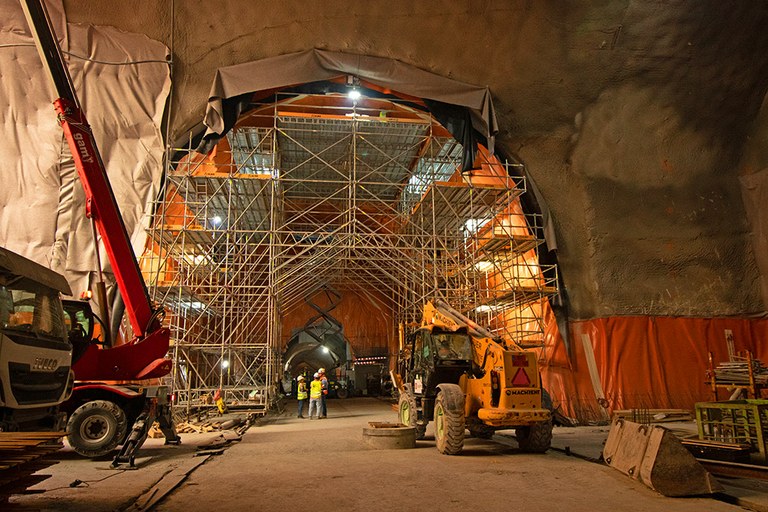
(342,393)
(536,438)
(96,428)
(409,414)
(449,420)
(481,431)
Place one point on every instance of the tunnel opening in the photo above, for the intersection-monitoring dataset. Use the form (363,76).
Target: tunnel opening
(306,189)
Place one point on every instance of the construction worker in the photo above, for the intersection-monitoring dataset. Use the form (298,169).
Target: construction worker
(324,383)
(301,394)
(315,397)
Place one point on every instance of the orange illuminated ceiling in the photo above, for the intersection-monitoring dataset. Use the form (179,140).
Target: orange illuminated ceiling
(341,107)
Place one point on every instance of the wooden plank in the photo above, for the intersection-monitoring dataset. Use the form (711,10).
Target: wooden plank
(594,375)
(166,485)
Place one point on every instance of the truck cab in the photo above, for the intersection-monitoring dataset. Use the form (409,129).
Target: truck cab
(35,350)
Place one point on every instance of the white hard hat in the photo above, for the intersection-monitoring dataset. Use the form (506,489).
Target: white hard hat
(301,377)
(321,370)
(317,375)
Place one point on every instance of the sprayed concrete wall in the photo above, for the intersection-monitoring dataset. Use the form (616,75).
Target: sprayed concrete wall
(635,119)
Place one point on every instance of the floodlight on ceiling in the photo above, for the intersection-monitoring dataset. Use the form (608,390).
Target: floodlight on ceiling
(224,364)
(353,83)
(325,350)
(216,221)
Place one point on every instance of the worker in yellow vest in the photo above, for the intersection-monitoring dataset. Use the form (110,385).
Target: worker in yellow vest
(301,395)
(315,397)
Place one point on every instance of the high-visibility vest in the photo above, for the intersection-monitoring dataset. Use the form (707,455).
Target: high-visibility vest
(301,394)
(316,389)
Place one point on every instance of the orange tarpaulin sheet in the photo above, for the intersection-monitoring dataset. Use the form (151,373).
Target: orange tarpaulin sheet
(643,362)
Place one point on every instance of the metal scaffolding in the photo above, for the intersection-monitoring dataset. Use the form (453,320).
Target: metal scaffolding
(308,191)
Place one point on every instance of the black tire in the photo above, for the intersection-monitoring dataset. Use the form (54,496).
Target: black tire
(342,393)
(536,438)
(96,428)
(409,414)
(481,430)
(449,420)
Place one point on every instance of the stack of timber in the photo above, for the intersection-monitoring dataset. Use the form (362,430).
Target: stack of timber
(647,416)
(21,455)
(737,372)
(199,428)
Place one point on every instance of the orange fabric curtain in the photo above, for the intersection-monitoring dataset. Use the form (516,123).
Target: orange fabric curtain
(643,362)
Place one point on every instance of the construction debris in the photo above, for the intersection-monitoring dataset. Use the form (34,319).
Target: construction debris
(237,423)
(192,428)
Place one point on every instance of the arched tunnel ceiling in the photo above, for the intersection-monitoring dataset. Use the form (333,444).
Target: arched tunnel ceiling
(635,119)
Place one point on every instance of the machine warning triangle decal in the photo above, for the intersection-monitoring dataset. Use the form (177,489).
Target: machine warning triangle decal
(521,378)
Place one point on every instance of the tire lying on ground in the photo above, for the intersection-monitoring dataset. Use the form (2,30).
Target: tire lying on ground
(96,428)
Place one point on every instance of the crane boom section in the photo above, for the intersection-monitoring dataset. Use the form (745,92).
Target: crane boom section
(101,204)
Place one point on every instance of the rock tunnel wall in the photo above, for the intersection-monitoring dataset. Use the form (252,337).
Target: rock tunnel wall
(632,118)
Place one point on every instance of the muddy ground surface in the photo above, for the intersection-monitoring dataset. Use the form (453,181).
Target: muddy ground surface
(286,464)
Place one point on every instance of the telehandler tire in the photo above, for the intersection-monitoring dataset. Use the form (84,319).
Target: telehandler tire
(96,428)
(535,438)
(409,414)
(449,420)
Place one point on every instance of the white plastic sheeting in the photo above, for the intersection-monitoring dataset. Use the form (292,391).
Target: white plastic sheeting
(122,81)
(313,65)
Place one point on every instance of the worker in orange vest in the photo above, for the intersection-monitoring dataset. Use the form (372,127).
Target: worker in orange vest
(324,383)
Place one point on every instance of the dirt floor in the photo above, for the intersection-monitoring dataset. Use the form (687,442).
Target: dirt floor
(287,464)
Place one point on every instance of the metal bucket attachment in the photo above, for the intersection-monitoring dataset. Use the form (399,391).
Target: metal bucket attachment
(655,457)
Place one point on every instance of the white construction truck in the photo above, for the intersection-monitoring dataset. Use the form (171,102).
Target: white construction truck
(35,352)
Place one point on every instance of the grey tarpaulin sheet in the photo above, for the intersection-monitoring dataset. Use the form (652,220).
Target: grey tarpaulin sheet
(754,191)
(314,65)
(122,81)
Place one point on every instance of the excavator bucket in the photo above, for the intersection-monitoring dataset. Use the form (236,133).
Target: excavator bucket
(654,456)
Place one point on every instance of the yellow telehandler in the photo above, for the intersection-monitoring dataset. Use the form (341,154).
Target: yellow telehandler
(461,376)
